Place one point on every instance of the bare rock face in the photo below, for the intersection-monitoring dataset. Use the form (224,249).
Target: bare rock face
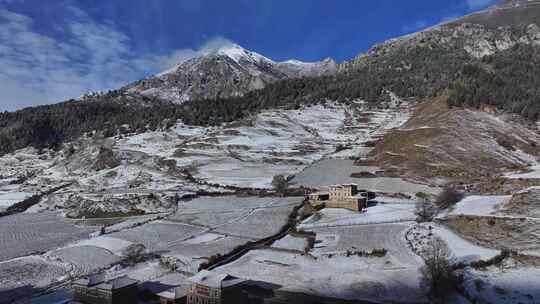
(106,159)
(226,72)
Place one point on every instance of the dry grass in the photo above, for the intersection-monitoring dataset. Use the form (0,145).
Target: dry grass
(497,232)
(459,144)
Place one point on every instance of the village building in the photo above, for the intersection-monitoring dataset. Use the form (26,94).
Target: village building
(211,288)
(96,290)
(342,196)
(177,295)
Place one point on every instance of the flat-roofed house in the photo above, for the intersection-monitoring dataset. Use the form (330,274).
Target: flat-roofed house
(96,290)
(338,192)
(212,288)
(177,295)
(345,196)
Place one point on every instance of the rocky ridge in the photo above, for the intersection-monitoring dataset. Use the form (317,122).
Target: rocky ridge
(226,72)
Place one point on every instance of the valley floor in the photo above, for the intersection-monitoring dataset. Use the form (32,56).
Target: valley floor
(187,195)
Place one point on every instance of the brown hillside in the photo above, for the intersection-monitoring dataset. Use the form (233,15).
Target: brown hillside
(459,144)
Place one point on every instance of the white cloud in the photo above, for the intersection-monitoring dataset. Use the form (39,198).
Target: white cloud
(477,4)
(182,55)
(39,69)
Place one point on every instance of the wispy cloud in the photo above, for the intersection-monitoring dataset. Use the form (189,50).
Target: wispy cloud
(36,68)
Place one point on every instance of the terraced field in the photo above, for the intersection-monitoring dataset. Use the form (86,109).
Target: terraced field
(338,171)
(25,276)
(85,259)
(366,238)
(159,236)
(258,224)
(30,233)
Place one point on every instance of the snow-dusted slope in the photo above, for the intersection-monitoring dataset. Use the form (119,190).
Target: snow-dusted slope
(296,68)
(150,169)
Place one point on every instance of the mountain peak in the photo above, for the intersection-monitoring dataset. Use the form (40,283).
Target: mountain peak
(225,71)
(238,53)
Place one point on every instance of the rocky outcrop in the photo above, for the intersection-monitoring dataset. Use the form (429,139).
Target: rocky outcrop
(476,39)
(480,34)
(106,159)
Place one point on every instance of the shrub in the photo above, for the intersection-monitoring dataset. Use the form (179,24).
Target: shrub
(425,211)
(280,184)
(448,198)
(134,254)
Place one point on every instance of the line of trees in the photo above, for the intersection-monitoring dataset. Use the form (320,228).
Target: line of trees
(509,80)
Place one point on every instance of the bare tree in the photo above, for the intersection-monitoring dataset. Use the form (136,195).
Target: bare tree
(280,183)
(438,272)
(448,197)
(134,253)
(425,210)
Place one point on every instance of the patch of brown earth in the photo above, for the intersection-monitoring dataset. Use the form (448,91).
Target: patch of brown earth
(520,234)
(458,144)
(525,203)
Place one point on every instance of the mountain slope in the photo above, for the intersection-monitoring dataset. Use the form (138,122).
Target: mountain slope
(226,72)
(507,13)
(218,87)
(456,143)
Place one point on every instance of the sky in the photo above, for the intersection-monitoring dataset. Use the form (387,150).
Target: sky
(54,50)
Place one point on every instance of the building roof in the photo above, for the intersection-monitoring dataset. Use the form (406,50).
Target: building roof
(91,280)
(343,186)
(117,283)
(215,280)
(174,293)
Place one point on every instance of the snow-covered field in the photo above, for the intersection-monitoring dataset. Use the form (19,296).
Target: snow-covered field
(158,236)
(85,259)
(387,213)
(365,238)
(479,205)
(464,251)
(290,242)
(25,276)
(260,223)
(8,199)
(338,171)
(498,221)
(233,203)
(381,279)
(30,233)
(518,285)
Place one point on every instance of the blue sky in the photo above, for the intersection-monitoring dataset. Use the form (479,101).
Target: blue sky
(58,49)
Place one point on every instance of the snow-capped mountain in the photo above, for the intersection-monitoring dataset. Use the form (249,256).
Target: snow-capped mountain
(225,72)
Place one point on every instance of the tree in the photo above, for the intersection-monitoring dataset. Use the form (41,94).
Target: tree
(134,253)
(280,183)
(438,272)
(425,211)
(448,197)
